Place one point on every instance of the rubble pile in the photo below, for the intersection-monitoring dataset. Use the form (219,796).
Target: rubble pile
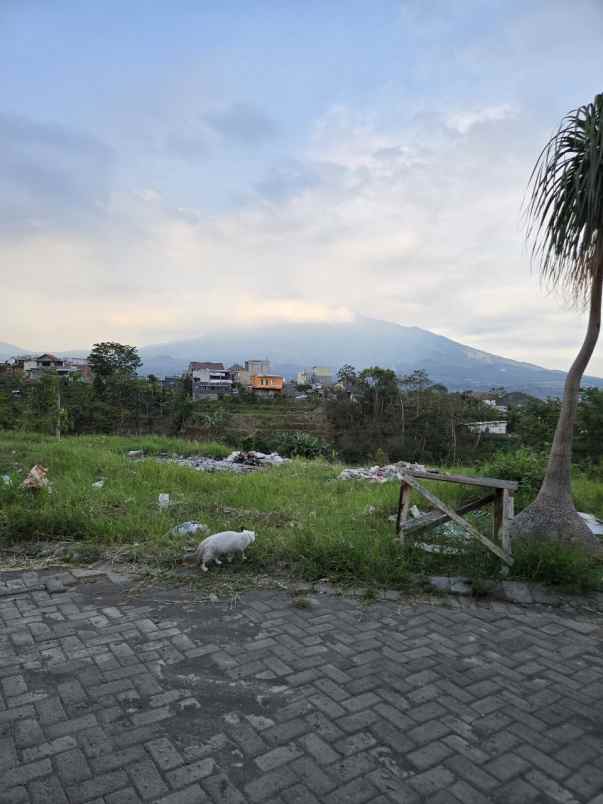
(238,462)
(381,474)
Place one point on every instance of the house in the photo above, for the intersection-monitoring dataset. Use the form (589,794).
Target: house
(493,403)
(170,383)
(253,367)
(303,378)
(209,380)
(258,366)
(235,372)
(35,367)
(267,385)
(489,428)
(321,375)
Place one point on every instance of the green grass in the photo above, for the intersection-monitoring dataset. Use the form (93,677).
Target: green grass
(308,524)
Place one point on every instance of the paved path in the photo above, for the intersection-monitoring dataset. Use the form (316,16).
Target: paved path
(112,699)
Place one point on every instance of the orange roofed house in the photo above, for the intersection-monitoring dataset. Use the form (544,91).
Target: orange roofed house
(267,385)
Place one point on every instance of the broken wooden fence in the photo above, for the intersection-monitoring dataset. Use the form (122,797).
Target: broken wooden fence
(501,495)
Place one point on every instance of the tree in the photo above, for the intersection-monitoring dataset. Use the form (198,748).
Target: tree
(346,375)
(109,358)
(565,214)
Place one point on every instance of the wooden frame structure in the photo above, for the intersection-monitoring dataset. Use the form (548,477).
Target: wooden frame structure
(501,494)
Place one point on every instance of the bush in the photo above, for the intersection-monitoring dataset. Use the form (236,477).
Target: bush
(569,569)
(525,465)
(290,444)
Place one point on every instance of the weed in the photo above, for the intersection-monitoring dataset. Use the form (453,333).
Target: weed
(301,602)
(308,524)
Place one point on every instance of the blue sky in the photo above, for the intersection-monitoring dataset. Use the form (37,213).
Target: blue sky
(163,162)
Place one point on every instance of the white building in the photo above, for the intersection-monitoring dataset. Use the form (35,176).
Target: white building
(210,380)
(490,428)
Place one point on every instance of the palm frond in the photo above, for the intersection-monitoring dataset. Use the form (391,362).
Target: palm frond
(565,206)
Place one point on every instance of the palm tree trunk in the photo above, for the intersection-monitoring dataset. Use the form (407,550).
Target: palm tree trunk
(557,480)
(552,516)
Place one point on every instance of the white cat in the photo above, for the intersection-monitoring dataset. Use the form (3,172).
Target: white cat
(225,543)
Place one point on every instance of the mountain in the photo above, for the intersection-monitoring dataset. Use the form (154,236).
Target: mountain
(362,342)
(8,350)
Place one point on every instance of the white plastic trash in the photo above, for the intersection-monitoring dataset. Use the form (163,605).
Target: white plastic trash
(164,501)
(189,529)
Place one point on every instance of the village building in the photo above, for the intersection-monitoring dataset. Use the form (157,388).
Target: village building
(267,385)
(235,372)
(489,428)
(210,381)
(33,367)
(321,375)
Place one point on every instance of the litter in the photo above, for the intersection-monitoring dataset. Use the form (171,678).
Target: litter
(163,501)
(37,478)
(381,474)
(135,454)
(99,483)
(189,529)
(595,525)
(238,462)
(6,479)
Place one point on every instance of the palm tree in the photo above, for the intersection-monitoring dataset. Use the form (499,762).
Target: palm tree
(565,213)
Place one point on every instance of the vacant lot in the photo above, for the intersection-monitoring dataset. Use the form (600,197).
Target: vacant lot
(307,522)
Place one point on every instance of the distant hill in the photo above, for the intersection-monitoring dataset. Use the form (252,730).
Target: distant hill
(8,350)
(362,342)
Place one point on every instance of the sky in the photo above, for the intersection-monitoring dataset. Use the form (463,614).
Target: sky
(167,169)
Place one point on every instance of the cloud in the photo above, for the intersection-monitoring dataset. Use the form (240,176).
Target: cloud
(464,121)
(51,176)
(242,124)
(404,223)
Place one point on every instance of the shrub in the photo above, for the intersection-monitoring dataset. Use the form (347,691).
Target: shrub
(525,465)
(291,444)
(569,569)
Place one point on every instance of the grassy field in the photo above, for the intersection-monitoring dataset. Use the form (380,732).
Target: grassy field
(308,524)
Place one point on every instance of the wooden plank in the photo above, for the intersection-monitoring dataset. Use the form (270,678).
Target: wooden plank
(487,482)
(435,518)
(507,516)
(458,519)
(403,506)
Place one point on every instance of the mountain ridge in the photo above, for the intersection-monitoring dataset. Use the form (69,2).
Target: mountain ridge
(362,342)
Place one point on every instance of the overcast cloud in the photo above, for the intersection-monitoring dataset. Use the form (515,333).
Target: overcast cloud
(158,182)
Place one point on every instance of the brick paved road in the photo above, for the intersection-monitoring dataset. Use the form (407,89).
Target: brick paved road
(113,699)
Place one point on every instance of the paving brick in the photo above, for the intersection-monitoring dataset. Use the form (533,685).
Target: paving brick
(506,766)
(320,750)
(164,753)
(72,766)
(25,773)
(270,783)
(126,796)
(16,795)
(314,777)
(277,757)
(430,754)
(190,773)
(99,786)
(192,795)
(429,782)
(222,790)
(47,791)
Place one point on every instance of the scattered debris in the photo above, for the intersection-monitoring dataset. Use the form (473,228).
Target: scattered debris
(136,454)
(240,462)
(163,501)
(189,529)
(99,483)
(595,525)
(381,474)
(36,479)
